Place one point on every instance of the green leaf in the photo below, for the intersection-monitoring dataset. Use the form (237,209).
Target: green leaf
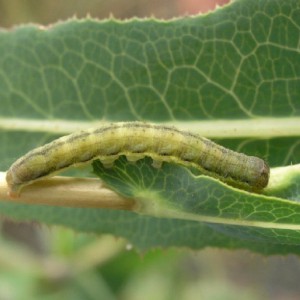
(180,209)
(232,75)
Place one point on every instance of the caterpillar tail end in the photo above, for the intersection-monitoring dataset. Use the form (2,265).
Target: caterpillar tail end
(13,189)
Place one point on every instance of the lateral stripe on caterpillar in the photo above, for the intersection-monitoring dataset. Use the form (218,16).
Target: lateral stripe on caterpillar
(136,140)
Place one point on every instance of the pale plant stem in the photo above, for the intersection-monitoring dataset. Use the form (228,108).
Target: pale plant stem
(54,267)
(67,192)
(97,253)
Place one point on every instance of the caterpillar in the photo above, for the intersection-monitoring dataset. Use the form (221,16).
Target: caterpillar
(136,140)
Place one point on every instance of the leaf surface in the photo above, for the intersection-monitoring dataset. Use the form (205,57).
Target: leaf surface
(238,66)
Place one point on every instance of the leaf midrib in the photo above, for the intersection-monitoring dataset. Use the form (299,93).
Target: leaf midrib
(247,128)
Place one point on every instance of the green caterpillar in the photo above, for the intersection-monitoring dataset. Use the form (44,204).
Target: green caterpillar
(136,140)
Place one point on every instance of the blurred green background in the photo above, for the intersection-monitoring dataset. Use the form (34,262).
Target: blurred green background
(14,12)
(38,262)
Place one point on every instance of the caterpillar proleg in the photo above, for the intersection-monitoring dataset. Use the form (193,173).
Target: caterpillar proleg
(136,140)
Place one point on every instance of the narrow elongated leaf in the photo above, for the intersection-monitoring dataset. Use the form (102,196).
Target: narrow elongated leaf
(232,75)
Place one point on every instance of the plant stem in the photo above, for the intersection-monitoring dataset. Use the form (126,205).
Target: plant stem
(68,192)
